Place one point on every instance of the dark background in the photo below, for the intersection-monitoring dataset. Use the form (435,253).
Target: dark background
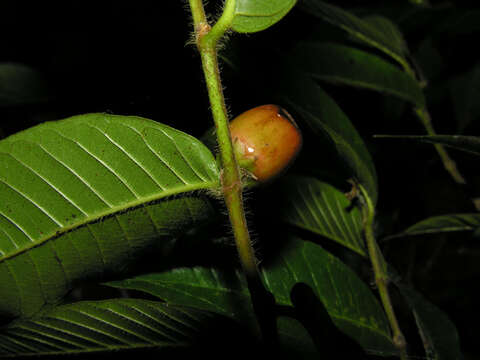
(136,58)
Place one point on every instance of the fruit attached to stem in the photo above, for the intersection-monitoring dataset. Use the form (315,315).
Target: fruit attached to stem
(266,140)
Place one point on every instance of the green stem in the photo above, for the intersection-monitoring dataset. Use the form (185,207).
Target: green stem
(424,116)
(207,41)
(381,276)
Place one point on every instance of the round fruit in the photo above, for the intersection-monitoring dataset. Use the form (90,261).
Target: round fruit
(266,140)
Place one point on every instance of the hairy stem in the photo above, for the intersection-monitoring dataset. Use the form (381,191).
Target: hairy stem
(207,39)
(207,42)
(381,276)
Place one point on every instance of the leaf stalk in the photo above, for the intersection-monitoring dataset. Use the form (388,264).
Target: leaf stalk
(381,275)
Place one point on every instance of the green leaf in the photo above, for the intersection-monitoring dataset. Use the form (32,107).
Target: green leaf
(97,326)
(442,224)
(390,31)
(257,15)
(319,207)
(325,119)
(85,196)
(21,85)
(469,144)
(465,92)
(439,334)
(349,302)
(344,65)
(381,34)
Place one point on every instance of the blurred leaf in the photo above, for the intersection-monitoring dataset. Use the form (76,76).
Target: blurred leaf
(349,302)
(465,92)
(469,144)
(349,66)
(325,119)
(439,334)
(294,337)
(319,207)
(98,326)
(429,59)
(441,224)
(257,15)
(21,85)
(389,30)
(381,34)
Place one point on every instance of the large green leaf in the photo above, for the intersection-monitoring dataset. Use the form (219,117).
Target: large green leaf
(381,34)
(85,196)
(257,15)
(349,302)
(319,207)
(325,119)
(442,224)
(345,65)
(21,85)
(110,325)
(469,144)
(439,334)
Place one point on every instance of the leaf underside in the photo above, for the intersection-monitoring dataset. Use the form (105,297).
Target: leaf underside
(84,196)
(252,16)
(108,325)
(322,209)
(351,305)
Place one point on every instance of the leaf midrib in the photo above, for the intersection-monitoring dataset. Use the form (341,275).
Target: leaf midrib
(112,211)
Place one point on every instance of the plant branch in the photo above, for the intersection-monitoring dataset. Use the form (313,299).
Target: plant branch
(424,116)
(381,275)
(207,42)
(207,39)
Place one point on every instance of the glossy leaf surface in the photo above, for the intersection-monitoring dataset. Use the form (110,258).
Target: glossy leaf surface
(373,33)
(320,208)
(82,197)
(345,65)
(349,302)
(257,15)
(98,326)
